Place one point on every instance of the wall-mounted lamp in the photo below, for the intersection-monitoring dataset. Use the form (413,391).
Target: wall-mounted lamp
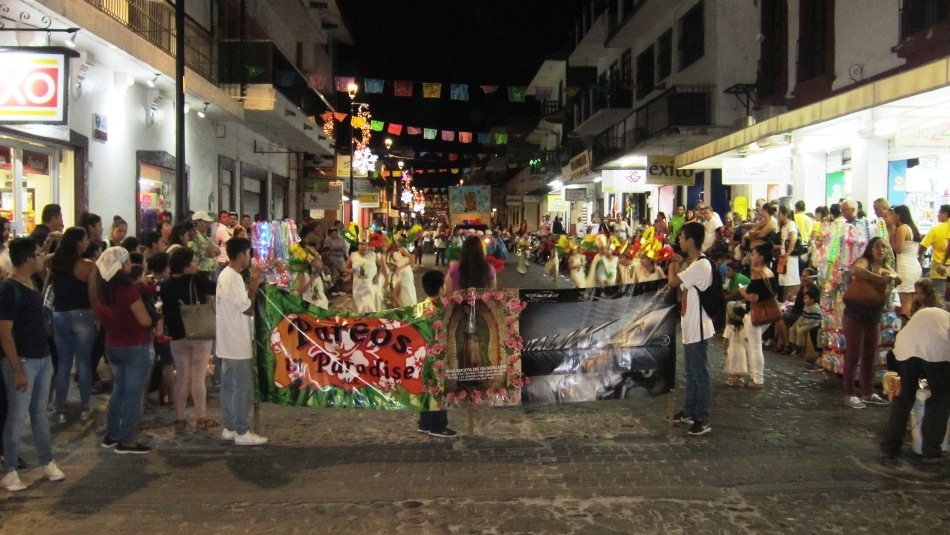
(187,107)
(151,83)
(202,112)
(71,39)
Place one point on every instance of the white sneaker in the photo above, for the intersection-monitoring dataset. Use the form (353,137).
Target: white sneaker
(854,402)
(227,434)
(12,482)
(85,413)
(53,473)
(61,417)
(249,439)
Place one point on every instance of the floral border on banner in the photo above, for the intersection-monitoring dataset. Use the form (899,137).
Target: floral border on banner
(433,373)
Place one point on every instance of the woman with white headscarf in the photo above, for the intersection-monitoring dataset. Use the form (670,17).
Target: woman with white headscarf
(127,325)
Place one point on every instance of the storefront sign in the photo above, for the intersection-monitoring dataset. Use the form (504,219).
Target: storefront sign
(922,133)
(35,162)
(575,195)
(576,168)
(624,181)
(343,167)
(321,195)
(514,200)
(662,171)
(749,171)
(32,87)
(368,200)
(556,203)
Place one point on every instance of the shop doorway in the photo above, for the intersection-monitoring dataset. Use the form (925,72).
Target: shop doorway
(159,194)
(253,191)
(33,175)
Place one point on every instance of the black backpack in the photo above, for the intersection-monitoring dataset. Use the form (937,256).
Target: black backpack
(713,299)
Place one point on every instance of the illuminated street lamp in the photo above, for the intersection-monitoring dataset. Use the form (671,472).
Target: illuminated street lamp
(351,90)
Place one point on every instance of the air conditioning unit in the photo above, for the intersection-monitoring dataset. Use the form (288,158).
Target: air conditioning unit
(767,112)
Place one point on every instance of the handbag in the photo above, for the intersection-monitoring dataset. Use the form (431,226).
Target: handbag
(865,293)
(199,318)
(767,311)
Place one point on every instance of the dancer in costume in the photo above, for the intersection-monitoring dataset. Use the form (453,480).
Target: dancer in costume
(603,268)
(366,268)
(400,286)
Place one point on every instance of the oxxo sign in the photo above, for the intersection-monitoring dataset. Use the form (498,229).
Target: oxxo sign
(32,87)
(661,170)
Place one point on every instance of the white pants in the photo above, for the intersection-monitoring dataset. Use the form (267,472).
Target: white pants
(753,337)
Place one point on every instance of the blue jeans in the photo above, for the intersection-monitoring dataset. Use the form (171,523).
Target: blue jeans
(236,393)
(74,332)
(697,381)
(130,369)
(30,402)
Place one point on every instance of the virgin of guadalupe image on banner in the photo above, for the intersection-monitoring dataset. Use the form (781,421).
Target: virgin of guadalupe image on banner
(482,347)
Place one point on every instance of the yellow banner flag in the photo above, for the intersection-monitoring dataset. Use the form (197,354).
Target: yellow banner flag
(357,121)
(432,90)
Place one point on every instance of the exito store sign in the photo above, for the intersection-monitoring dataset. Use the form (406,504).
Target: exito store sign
(748,171)
(32,86)
(662,171)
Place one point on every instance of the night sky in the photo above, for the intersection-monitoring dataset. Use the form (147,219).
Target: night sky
(485,42)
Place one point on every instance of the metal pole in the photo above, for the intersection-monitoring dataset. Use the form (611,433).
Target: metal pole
(181,185)
(352,157)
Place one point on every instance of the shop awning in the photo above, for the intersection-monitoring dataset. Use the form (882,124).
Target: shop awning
(923,79)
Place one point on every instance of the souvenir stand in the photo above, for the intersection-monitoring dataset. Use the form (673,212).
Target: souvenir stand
(841,244)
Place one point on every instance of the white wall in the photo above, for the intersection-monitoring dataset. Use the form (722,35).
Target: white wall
(112,176)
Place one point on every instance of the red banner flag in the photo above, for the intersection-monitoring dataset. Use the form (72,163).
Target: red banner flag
(402,89)
(465,137)
(448,135)
(395,129)
(413,130)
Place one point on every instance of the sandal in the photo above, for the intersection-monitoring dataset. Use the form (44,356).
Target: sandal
(205,423)
(180,425)
(754,385)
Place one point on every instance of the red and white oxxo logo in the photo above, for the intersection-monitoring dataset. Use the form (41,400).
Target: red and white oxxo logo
(31,87)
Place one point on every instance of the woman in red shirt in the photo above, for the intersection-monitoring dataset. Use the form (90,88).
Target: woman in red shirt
(127,325)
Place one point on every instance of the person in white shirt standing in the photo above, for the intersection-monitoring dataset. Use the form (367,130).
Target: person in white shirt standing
(235,303)
(580,230)
(697,327)
(221,236)
(711,225)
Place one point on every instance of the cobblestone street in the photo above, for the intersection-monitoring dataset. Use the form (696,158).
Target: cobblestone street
(789,459)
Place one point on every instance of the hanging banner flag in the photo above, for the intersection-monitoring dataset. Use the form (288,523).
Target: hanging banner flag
(373,85)
(343,82)
(357,121)
(429,133)
(516,93)
(542,93)
(467,170)
(448,135)
(501,139)
(484,138)
(455,171)
(459,92)
(376,126)
(488,89)
(402,89)
(465,137)
(339,116)
(453,156)
(572,91)
(431,90)
(316,80)
(662,171)
(413,130)
(395,129)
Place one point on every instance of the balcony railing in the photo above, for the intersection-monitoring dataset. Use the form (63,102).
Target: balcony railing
(261,62)
(681,105)
(606,146)
(596,97)
(155,22)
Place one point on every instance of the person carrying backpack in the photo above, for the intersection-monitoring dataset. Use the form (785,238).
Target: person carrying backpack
(697,326)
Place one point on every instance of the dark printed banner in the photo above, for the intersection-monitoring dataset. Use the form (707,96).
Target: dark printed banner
(598,343)
(481,347)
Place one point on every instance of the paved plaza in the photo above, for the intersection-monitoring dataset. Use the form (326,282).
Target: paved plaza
(789,459)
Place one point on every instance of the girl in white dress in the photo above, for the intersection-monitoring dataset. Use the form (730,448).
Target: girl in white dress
(575,264)
(401,285)
(905,240)
(791,280)
(365,268)
(603,268)
(310,285)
